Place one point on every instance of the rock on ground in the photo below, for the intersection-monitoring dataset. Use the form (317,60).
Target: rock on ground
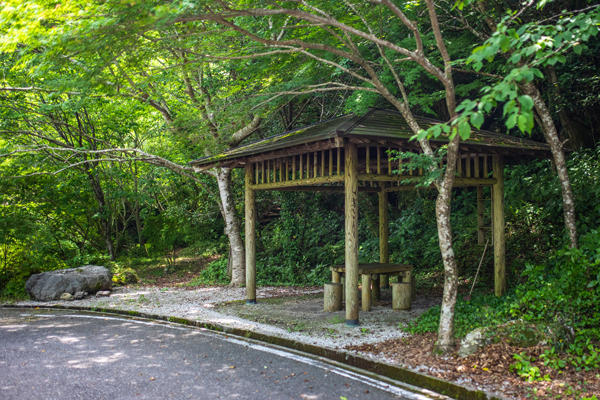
(52,284)
(474,341)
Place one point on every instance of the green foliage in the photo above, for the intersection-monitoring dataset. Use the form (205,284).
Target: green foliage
(299,246)
(564,291)
(124,275)
(482,310)
(525,369)
(215,273)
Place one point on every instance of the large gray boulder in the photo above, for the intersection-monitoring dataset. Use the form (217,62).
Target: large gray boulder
(52,284)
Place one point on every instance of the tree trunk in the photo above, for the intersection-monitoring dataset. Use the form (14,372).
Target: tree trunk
(232,228)
(551,135)
(445,340)
(104,220)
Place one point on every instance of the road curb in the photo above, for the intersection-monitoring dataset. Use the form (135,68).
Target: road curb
(381,369)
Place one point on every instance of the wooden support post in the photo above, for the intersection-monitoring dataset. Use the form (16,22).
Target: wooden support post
(332,297)
(335,276)
(293,168)
(384,253)
(262,175)
(485,166)
(339,152)
(301,167)
(468,166)
(366,292)
(480,208)
(378,160)
(498,226)
(330,162)
(250,226)
(477,175)
(322,162)
(315,164)
(368,160)
(351,232)
(459,167)
(389,158)
(401,296)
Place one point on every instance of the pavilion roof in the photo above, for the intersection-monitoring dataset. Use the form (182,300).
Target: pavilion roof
(376,124)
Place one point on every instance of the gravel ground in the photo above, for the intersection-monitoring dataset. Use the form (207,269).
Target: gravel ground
(201,305)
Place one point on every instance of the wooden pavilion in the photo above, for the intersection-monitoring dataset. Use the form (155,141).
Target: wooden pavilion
(351,154)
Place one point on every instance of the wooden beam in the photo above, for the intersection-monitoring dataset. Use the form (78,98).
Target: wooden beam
(480,208)
(498,226)
(250,230)
(351,232)
(317,188)
(286,152)
(320,180)
(384,253)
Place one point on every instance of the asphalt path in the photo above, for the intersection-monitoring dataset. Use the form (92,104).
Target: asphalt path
(66,355)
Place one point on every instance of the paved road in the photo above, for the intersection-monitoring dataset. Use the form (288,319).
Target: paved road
(66,355)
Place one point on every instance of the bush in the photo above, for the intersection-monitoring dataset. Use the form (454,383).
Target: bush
(564,294)
(482,310)
(215,273)
(124,276)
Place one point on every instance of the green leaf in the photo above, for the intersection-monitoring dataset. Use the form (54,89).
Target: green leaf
(511,121)
(523,123)
(477,119)
(526,102)
(464,130)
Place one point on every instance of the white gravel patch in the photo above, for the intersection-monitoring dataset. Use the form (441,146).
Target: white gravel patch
(199,305)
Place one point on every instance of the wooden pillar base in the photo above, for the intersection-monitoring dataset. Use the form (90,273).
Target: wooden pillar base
(366,292)
(251,301)
(332,297)
(352,322)
(401,296)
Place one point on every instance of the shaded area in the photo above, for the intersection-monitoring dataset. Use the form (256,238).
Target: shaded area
(305,314)
(67,356)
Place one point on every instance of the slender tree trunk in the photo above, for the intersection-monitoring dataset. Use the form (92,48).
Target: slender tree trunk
(232,228)
(104,220)
(551,135)
(445,341)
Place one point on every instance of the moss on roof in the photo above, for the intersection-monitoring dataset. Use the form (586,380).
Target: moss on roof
(377,124)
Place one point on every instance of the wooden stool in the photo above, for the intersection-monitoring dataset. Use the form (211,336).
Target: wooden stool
(332,297)
(401,295)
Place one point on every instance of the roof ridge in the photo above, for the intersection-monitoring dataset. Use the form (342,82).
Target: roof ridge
(357,120)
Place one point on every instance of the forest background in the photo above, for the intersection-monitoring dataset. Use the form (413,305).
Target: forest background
(103,104)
